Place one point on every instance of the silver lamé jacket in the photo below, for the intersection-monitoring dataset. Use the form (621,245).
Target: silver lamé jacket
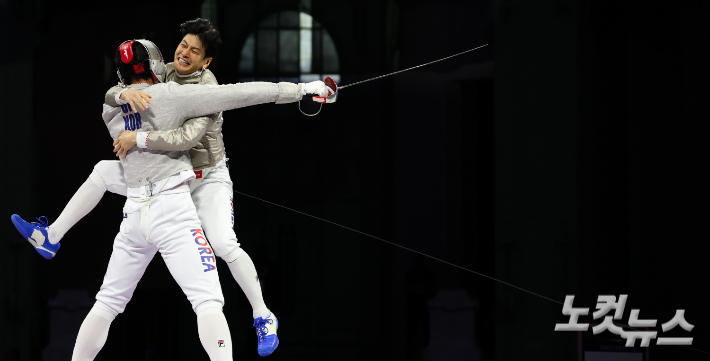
(172,104)
(202,135)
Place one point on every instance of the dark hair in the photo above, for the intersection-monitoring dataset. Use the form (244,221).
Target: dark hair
(127,70)
(208,35)
(144,77)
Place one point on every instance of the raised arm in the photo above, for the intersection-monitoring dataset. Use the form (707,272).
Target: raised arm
(196,100)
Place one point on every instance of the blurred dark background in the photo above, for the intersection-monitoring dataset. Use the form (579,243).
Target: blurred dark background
(567,157)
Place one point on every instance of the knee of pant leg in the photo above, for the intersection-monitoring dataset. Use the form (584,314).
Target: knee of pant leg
(233,255)
(208,307)
(109,171)
(112,301)
(96,178)
(106,170)
(103,310)
(224,243)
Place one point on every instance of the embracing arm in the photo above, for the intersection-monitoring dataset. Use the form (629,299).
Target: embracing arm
(111,97)
(183,138)
(196,100)
(117,96)
(180,139)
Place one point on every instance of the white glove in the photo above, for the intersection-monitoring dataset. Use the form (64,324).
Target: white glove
(315,87)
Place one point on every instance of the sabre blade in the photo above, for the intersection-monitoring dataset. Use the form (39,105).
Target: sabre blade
(414,67)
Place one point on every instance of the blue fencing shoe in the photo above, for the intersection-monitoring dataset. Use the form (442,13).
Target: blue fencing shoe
(36,233)
(266,331)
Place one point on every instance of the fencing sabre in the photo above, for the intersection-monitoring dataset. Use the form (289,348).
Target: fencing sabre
(333,88)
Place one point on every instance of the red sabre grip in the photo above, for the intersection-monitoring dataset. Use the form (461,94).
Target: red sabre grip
(332,92)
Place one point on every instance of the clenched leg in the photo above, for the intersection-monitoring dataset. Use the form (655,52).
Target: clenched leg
(213,199)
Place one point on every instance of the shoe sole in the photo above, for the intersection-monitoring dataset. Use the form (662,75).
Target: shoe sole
(272,351)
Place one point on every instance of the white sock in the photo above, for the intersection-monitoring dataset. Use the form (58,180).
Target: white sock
(93,333)
(214,331)
(244,272)
(83,201)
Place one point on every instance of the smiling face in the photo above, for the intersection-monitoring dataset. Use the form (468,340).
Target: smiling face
(190,55)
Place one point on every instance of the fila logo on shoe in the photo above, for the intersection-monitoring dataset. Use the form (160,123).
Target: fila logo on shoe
(37,238)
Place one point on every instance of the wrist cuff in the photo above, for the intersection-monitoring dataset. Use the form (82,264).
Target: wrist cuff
(120,101)
(142,139)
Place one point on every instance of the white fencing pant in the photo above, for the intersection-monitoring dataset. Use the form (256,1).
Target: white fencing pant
(174,230)
(213,198)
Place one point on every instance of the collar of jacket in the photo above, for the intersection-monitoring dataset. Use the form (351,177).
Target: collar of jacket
(197,73)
